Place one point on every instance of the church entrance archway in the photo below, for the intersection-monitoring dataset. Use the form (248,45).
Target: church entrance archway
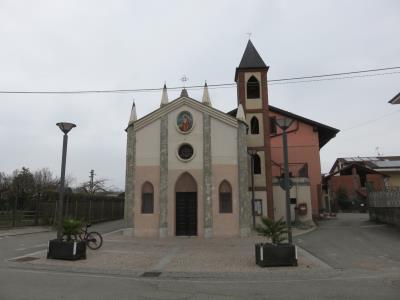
(186,205)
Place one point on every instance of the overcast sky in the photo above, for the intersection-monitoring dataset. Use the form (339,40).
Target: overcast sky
(86,45)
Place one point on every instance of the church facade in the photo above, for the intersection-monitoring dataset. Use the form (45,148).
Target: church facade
(193,170)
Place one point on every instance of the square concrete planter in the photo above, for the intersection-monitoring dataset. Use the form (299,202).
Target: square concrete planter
(71,250)
(270,255)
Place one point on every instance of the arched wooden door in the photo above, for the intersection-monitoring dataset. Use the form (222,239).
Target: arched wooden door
(186,205)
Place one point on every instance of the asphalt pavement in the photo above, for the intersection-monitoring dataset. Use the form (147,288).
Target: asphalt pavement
(352,242)
(362,258)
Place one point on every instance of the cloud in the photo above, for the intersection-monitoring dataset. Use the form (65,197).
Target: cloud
(73,45)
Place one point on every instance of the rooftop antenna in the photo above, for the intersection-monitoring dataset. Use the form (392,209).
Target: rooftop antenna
(377,152)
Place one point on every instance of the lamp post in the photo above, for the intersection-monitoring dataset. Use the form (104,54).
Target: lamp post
(284,124)
(252,154)
(65,127)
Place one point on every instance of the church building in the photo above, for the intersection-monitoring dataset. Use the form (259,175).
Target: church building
(193,170)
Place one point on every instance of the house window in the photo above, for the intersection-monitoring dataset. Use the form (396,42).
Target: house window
(257,164)
(255,128)
(253,88)
(225,197)
(272,125)
(147,198)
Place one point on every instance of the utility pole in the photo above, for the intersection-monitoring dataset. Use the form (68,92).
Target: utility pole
(252,154)
(91,187)
(91,192)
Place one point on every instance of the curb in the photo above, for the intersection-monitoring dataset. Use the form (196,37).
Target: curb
(23,233)
(305,231)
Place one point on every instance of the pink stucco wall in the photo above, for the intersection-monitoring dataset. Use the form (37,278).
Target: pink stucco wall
(225,224)
(147,224)
(303,146)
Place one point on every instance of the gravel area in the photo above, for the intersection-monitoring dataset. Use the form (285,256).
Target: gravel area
(172,255)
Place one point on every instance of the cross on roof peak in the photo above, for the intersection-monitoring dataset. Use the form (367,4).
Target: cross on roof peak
(184,79)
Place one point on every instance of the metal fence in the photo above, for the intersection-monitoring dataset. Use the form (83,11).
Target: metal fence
(87,208)
(386,198)
(384,206)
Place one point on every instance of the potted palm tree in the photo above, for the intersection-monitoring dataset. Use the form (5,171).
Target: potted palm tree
(276,253)
(68,247)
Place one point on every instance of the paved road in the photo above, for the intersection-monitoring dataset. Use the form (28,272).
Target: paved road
(353,242)
(347,279)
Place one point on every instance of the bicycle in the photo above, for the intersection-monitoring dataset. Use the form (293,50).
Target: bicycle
(93,239)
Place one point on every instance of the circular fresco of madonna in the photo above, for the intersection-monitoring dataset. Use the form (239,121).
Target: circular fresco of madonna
(184,121)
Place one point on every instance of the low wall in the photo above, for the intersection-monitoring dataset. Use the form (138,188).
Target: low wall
(384,206)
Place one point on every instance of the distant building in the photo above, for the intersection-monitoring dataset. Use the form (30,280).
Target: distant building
(359,175)
(188,164)
(389,166)
(396,99)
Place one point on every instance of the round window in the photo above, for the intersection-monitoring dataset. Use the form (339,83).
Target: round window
(185,151)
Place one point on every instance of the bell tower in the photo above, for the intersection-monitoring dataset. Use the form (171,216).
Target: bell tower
(252,94)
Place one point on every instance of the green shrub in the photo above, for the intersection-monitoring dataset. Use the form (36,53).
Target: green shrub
(275,230)
(342,199)
(71,229)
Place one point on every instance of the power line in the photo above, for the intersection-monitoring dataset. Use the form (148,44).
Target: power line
(290,80)
(338,74)
(370,121)
(335,78)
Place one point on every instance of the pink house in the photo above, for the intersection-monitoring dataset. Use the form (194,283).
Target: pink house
(305,139)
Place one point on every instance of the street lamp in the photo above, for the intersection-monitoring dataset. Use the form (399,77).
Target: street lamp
(284,124)
(65,128)
(252,154)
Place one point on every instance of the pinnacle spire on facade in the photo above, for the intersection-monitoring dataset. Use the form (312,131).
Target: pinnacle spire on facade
(206,96)
(240,114)
(184,93)
(164,97)
(133,116)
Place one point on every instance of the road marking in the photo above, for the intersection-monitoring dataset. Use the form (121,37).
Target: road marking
(372,226)
(33,247)
(117,251)
(112,232)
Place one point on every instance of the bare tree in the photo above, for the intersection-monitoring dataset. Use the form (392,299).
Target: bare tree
(93,187)
(69,180)
(45,180)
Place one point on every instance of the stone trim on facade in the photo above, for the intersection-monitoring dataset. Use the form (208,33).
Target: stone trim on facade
(244,199)
(207,176)
(163,176)
(130,178)
(165,109)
